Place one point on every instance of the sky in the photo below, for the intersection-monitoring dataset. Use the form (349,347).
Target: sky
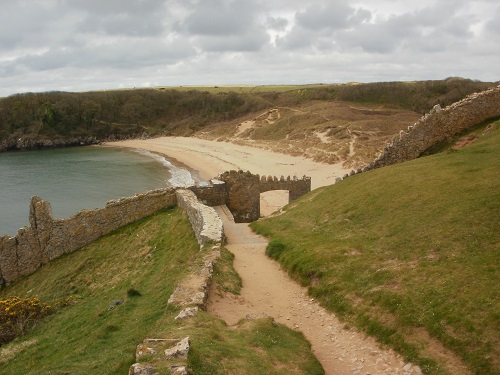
(80,45)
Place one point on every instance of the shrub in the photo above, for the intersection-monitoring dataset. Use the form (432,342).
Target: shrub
(18,315)
(133,293)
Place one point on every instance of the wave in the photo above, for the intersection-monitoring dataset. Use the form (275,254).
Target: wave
(180,177)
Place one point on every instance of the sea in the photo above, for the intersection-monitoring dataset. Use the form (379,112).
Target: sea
(77,178)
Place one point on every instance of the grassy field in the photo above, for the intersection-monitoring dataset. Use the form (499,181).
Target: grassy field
(408,253)
(117,290)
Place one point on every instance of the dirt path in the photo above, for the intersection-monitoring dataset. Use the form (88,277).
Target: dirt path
(267,290)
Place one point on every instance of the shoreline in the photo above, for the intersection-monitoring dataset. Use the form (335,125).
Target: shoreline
(207,159)
(176,163)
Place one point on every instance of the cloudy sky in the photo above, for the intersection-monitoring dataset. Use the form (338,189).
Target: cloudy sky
(77,45)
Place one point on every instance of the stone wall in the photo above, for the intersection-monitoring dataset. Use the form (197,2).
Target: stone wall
(296,187)
(47,238)
(244,188)
(211,194)
(438,125)
(207,225)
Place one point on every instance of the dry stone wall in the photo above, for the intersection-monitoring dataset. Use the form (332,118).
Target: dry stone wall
(438,125)
(207,225)
(47,238)
(212,194)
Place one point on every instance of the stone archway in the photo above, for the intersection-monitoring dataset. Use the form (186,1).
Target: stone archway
(272,201)
(244,188)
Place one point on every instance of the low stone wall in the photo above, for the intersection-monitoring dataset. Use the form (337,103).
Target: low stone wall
(211,194)
(47,238)
(207,225)
(438,125)
(191,293)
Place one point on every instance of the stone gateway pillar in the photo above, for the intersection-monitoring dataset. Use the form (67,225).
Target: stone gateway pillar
(243,195)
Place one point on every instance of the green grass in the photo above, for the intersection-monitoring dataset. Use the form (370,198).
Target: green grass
(409,253)
(225,278)
(90,336)
(139,265)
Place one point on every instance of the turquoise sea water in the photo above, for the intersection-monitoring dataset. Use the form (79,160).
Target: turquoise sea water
(72,179)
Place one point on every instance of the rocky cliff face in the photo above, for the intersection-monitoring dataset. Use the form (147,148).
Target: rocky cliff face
(36,143)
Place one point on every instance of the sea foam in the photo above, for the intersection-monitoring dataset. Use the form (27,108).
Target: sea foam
(180,177)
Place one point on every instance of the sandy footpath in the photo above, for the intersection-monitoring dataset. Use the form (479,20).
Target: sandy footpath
(209,158)
(269,291)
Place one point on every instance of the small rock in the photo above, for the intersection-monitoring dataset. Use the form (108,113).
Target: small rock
(139,369)
(187,313)
(407,367)
(180,350)
(143,349)
(178,370)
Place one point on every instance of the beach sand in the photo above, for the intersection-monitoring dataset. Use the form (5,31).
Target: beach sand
(210,158)
(207,159)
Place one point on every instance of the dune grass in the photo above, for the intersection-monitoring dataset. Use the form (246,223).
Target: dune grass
(409,253)
(116,291)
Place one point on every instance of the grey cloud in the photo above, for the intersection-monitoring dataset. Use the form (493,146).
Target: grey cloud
(248,42)
(24,24)
(76,44)
(124,55)
(493,25)
(100,8)
(297,38)
(334,15)
(219,17)
(226,25)
(319,26)
(126,18)
(427,30)
(123,24)
(277,23)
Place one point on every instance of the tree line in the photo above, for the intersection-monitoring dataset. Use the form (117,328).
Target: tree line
(131,113)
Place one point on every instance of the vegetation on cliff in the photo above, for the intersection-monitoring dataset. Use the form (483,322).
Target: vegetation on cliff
(408,253)
(55,118)
(119,287)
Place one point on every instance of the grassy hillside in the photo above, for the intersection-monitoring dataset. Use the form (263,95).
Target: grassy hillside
(138,266)
(409,253)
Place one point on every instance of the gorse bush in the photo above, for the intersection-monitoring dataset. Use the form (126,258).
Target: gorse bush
(18,315)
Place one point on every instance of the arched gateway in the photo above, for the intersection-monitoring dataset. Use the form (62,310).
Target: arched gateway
(243,191)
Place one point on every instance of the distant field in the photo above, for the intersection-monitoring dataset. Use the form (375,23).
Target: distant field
(408,253)
(248,89)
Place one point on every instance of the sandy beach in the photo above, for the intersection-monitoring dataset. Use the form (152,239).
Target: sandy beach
(210,158)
